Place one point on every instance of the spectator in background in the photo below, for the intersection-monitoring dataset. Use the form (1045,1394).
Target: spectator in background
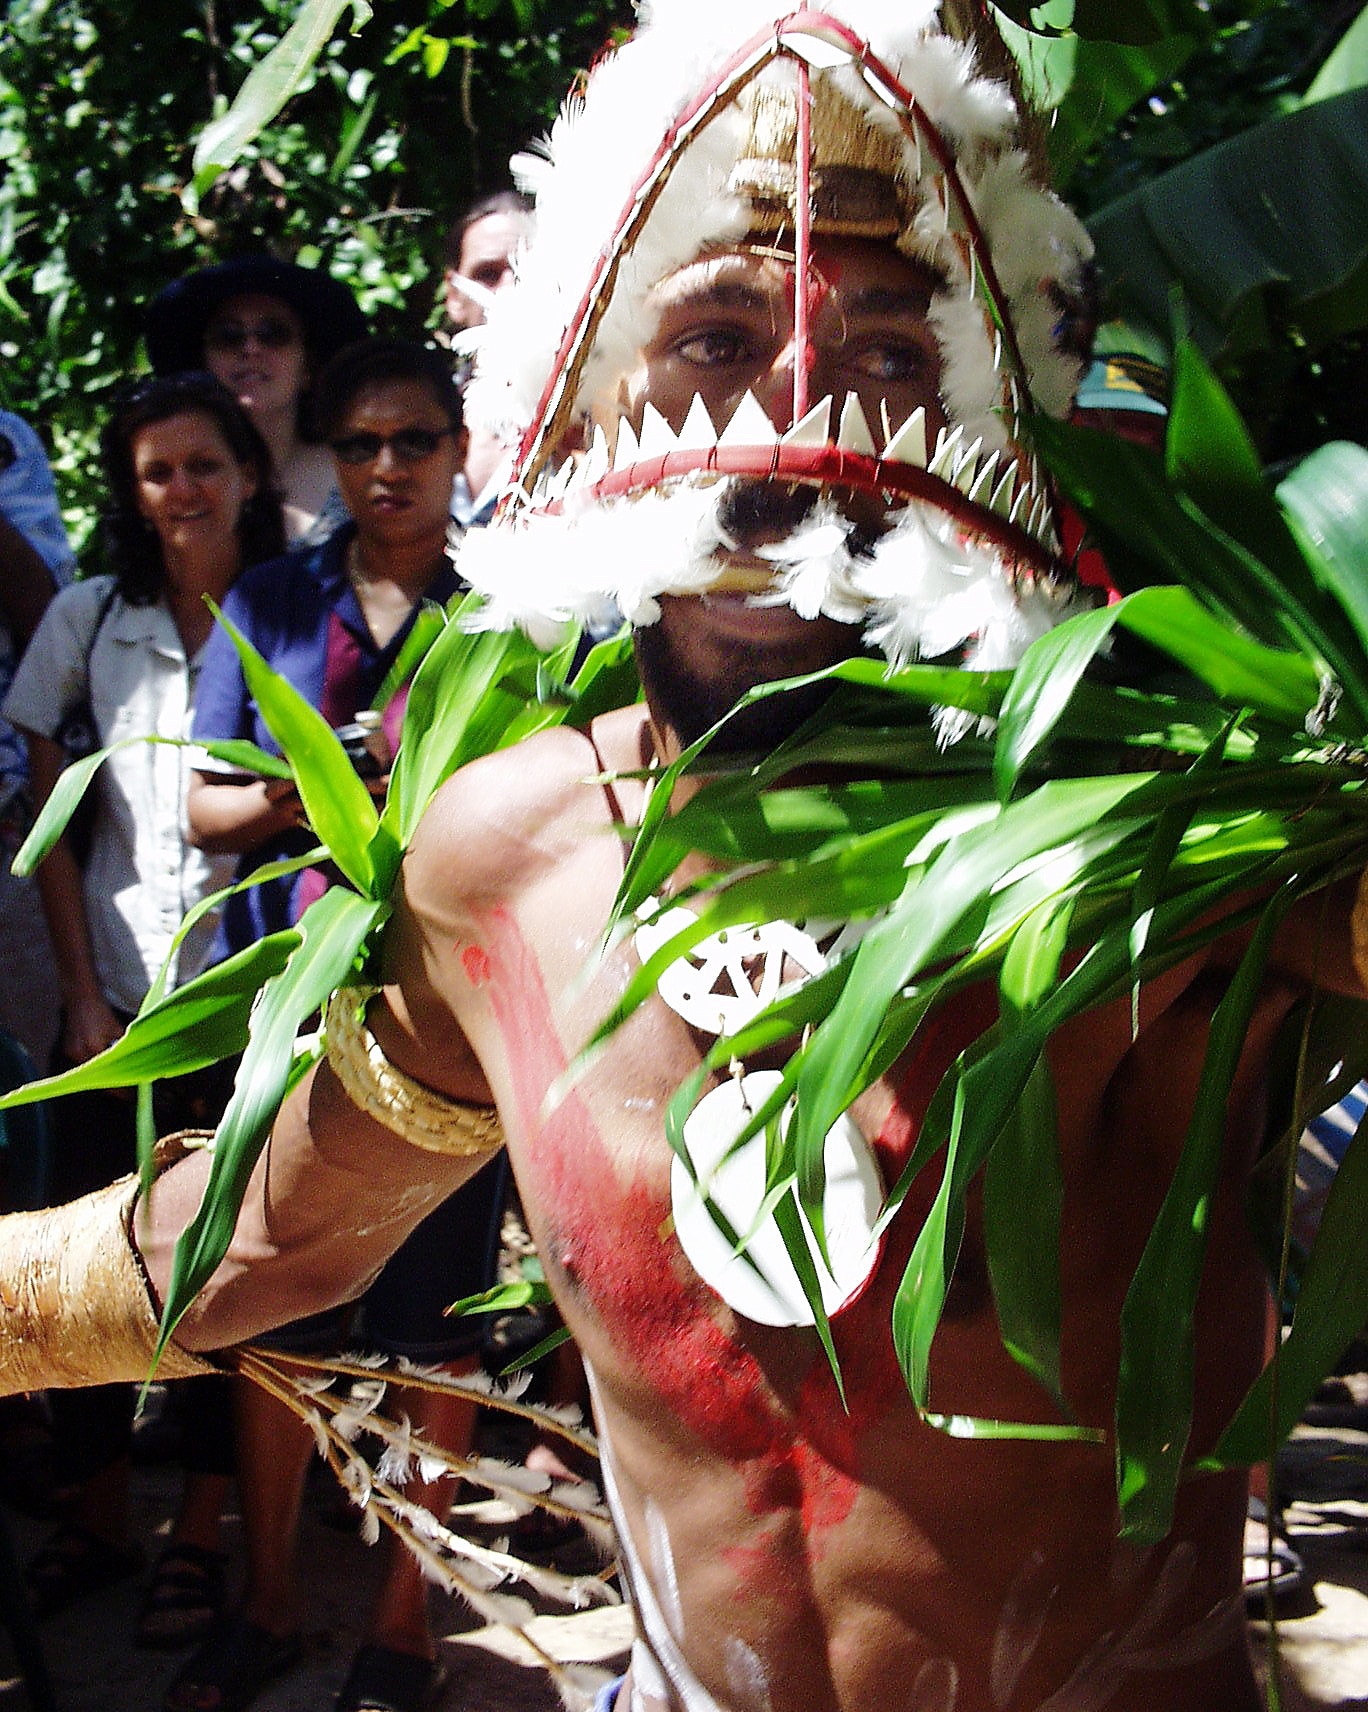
(479,253)
(192,503)
(265,328)
(333,620)
(35,561)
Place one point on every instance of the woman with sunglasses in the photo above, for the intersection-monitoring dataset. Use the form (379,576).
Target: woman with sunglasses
(265,328)
(332,620)
(192,503)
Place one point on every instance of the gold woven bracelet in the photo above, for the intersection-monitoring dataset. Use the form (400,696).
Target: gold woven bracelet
(418,1114)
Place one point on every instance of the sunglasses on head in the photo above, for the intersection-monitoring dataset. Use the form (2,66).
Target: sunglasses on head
(409,445)
(233,335)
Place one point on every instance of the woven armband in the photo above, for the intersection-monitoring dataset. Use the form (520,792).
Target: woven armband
(418,1114)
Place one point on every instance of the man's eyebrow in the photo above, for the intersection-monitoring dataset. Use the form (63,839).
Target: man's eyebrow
(891,300)
(705,285)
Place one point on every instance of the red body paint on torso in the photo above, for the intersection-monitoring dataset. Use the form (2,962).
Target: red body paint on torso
(613,1242)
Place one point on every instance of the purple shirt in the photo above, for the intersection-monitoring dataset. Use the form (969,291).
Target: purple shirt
(301,614)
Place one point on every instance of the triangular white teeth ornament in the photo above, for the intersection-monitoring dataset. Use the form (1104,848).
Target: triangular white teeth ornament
(947,445)
(625,451)
(983,482)
(698,433)
(814,429)
(1001,502)
(966,467)
(853,433)
(908,445)
(749,426)
(657,436)
(1019,504)
(598,459)
(559,485)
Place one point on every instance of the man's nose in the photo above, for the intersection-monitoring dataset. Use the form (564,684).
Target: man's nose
(776,389)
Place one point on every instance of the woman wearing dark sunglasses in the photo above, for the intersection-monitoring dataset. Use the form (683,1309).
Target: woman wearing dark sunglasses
(265,328)
(333,620)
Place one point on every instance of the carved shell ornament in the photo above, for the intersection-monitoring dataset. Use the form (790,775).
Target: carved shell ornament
(718,987)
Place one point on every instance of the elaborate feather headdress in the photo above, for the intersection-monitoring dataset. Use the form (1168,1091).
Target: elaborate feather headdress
(721,118)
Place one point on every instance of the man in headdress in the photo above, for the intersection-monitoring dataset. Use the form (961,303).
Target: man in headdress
(794,285)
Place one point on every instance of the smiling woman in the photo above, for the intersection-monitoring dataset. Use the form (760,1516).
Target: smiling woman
(192,502)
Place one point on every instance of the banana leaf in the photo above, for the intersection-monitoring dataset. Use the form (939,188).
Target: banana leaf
(1260,232)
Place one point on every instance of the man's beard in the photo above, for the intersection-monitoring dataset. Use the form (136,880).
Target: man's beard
(690,705)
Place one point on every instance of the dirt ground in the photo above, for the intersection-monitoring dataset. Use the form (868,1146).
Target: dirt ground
(1321,1639)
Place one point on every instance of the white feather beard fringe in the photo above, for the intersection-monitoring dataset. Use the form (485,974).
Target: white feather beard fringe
(922,591)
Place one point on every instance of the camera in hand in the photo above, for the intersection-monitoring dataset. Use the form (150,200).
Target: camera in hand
(365,743)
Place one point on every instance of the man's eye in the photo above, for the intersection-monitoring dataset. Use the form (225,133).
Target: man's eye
(715,347)
(895,362)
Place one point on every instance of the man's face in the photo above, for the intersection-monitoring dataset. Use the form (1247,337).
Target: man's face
(726,327)
(486,262)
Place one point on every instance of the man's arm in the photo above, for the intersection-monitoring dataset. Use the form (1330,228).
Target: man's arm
(335,1193)
(337,1189)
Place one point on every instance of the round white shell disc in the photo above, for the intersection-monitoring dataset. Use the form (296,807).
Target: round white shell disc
(769,1291)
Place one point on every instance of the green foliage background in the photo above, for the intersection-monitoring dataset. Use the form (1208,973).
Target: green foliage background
(397,127)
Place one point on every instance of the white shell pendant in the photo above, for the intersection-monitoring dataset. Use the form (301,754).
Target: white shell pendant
(768,1291)
(729,977)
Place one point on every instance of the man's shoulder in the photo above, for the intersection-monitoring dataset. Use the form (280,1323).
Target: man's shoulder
(515,808)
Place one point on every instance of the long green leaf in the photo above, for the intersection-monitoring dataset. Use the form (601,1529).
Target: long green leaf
(336,800)
(929,910)
(1023,1183)
(198,1024)
(1271,680)
(331,933)
(1326,500)
(1154,1395)
(63,800)
(1041,687)
(268,87)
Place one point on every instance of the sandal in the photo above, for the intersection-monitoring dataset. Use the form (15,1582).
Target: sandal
(184,1599)
(384,1680)
(1271,1567)
(232,1667)
(73,1564)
